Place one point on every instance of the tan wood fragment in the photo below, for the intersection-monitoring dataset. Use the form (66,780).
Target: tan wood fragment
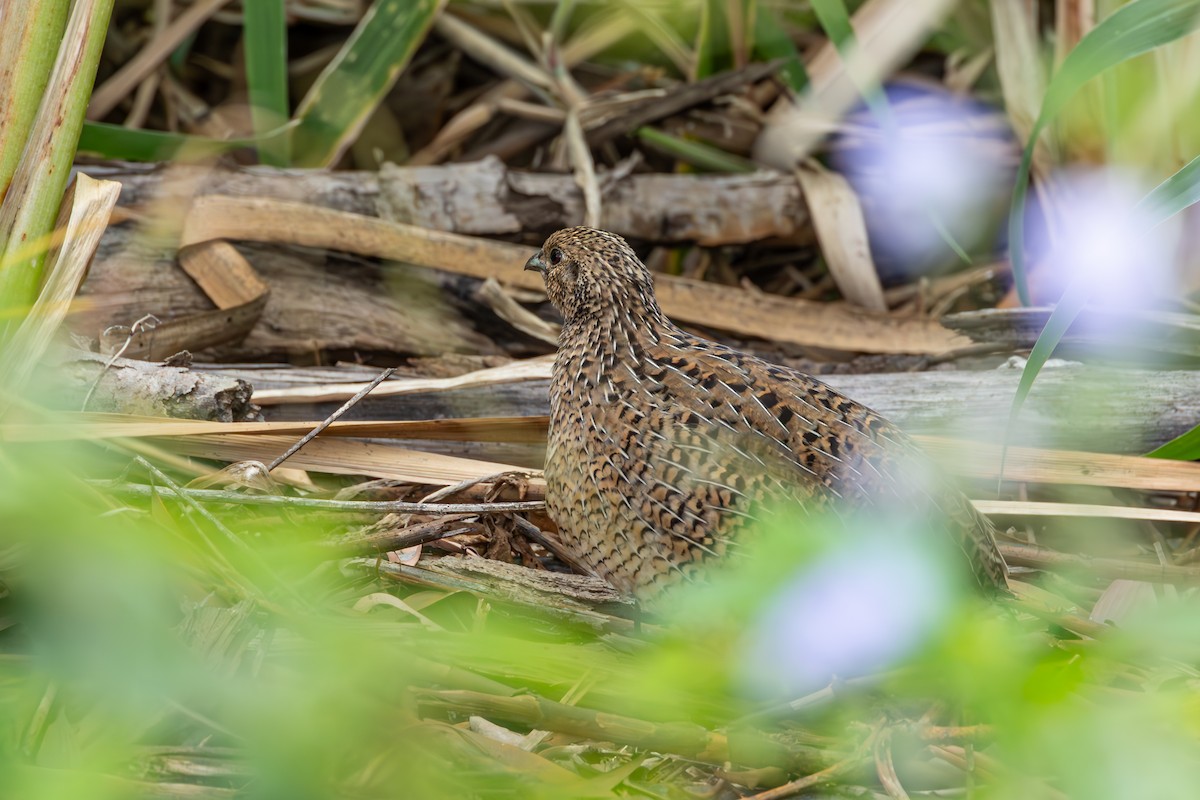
(223,273)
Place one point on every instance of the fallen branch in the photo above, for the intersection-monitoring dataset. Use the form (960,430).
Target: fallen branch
(681,738)
(826,325)
(141,388)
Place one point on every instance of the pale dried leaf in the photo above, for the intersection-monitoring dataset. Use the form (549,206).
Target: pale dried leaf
(842,232)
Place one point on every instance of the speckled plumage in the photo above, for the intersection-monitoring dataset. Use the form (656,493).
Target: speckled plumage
(664,445)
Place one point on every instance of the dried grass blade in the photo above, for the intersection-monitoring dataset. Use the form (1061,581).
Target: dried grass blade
(1026,508)
(1072,21)
(346,457)
(888,33)
(82,221)
(1031,555)
(1033,465)
(488,51)
(528,370)
(585,169)
(493,295)
(99,425)
(122,83)
(1022,81)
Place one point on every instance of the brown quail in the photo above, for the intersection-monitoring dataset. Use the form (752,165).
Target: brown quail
(664,446)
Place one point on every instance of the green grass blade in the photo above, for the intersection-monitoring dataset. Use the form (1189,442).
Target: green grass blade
(266,75)
(834,19)
(1169,198)
(27,49)
(1185,447)
(31,205)
(771,41)
(349,89)
(1069,307)
(697,154)
(1174,194)
(1132,30)
(126,144)
(712,28)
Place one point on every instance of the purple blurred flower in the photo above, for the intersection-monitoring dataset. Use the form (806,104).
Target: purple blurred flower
(1089,228)
(935,167)
(857,610)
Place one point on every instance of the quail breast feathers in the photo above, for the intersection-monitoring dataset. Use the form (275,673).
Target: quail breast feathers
(664,446)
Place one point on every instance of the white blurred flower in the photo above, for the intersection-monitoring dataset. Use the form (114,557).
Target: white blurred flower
(857,610)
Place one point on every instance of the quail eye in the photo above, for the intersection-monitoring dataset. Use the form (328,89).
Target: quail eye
(556,257)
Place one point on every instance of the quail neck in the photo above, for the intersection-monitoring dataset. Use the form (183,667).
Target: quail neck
(664,447)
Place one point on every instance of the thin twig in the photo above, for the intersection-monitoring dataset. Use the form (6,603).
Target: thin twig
(553,545)
(827,775)
(349,404)
(148,322)
(411,536)
(463,485)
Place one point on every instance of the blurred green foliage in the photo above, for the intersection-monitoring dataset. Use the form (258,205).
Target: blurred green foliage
(141,645)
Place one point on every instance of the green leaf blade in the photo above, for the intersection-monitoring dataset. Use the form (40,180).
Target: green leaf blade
(349,89)
(266,75)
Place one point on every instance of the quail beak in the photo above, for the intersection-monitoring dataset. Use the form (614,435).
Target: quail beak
(536,264)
